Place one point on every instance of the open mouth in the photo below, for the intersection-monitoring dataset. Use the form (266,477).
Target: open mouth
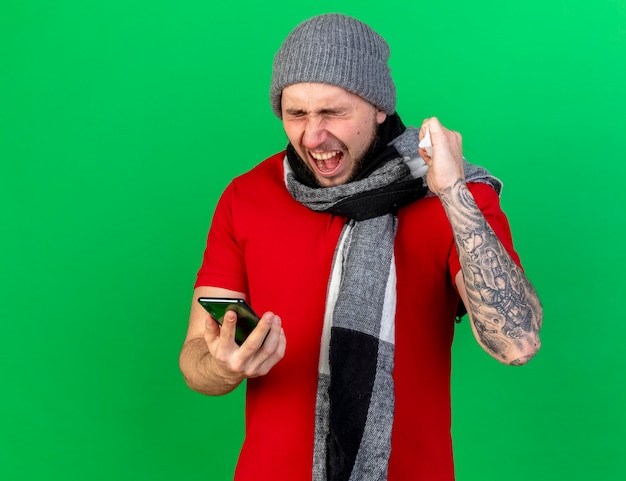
(326,163)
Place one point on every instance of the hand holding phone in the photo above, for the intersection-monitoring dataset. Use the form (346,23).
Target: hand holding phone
(247,319)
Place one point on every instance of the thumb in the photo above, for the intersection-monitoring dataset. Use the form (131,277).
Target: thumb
(229,325)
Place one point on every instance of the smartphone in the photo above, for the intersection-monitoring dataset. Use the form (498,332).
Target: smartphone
(246,317)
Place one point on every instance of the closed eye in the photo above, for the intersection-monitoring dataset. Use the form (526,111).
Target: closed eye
(333,112)
(295,113)
(330,112)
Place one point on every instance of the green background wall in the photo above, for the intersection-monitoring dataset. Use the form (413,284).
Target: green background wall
(122,121)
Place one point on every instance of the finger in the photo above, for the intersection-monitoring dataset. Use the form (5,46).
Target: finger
(424,155)
(211,329)
(423,127)
(274,349)
(271,341)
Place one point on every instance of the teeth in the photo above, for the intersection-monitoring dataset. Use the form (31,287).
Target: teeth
(323,155)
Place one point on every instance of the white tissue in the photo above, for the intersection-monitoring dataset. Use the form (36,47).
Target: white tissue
(426,143)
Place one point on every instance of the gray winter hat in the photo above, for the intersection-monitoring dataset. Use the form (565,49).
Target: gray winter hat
(338,50)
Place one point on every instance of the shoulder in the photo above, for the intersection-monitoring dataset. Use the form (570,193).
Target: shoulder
(262,181)
(483,192)
(426,218)
(261,191)
(270,169)
(488,201)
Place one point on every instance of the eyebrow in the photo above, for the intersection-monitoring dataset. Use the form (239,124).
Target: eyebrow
(323,111)
(294,111)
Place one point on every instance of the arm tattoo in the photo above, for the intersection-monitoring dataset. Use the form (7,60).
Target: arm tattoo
(505,308)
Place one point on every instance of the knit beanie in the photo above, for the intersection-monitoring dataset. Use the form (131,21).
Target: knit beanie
(338,50)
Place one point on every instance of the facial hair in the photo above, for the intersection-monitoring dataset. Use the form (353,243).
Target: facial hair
(360,163)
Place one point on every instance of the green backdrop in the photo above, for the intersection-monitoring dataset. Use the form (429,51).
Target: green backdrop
(121,122)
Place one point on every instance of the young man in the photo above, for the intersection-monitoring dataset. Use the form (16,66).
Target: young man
(357,245)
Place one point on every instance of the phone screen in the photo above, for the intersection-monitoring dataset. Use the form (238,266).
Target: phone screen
(246,317)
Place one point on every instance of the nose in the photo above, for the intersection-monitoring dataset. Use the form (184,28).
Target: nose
(314,133)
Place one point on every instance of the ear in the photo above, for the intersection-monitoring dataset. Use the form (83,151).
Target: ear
(380,116)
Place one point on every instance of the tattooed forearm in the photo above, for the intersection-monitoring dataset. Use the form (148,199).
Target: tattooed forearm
(504,307)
